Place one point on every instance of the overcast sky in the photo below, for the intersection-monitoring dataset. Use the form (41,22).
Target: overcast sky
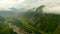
(6,4)
(51,5)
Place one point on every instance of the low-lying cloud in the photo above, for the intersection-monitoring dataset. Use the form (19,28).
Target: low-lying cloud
(6,4)
(51,5)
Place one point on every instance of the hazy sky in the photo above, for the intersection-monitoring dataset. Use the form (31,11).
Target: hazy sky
(51,5)
(6,4)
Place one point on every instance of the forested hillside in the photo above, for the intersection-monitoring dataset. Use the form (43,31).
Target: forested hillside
(45,23)
(33,21)
(4,27)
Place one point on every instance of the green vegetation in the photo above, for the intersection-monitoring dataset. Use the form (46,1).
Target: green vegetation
(37,22)
(4,28)
(33,21)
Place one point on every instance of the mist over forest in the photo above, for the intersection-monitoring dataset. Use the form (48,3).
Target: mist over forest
(31,21)
(29,16)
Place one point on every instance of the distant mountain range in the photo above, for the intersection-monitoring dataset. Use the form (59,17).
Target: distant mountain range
(17,10)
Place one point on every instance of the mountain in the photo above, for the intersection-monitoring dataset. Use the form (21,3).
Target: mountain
(17,10)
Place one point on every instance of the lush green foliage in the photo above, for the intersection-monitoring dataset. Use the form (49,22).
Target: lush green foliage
(33,21)
(4,28)
(41,22)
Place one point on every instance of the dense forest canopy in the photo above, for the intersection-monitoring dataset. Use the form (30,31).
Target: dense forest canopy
(32,21)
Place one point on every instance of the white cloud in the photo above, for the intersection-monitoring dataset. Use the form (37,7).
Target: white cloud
(6,4)
(55,9)
(51,5)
